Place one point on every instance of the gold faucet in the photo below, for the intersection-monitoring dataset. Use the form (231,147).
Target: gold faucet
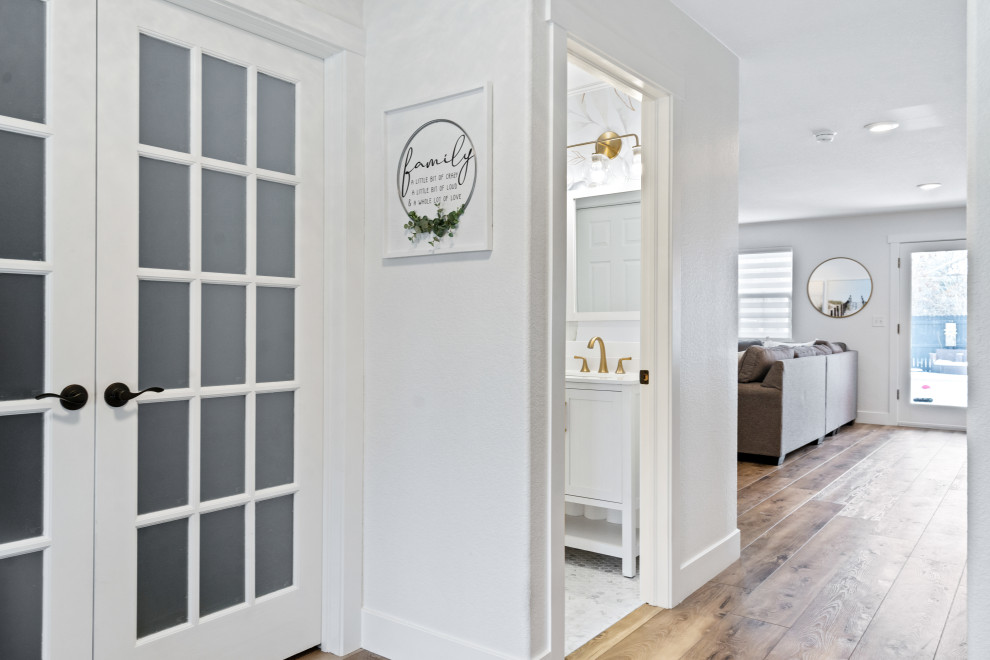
(603,364)
(584,363)
(619,369)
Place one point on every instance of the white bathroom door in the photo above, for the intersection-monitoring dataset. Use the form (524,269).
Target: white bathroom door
(47,211)
(209,287)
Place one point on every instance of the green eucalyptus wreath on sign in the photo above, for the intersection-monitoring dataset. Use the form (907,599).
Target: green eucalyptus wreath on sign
(442,225)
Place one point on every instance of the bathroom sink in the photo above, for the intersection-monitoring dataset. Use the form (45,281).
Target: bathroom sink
(597,377)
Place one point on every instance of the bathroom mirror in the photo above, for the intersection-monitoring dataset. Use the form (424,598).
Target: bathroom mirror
(840,287)
(603,238)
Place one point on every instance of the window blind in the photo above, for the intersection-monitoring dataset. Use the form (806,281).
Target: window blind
(766,284)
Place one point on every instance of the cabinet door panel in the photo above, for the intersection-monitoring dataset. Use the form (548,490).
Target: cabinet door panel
(594,444)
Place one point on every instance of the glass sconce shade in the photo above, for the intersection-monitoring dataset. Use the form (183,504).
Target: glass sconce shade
(598,172)
(636,171)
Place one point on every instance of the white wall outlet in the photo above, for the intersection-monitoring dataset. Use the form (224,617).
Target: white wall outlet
(879,321)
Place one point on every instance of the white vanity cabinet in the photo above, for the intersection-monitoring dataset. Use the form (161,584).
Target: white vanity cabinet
(602,464)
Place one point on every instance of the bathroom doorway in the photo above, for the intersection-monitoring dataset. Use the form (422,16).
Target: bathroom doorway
(615,455)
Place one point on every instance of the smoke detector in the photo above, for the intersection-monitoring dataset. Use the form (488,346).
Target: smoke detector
(825,135)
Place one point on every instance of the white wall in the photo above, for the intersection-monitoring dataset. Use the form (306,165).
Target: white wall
(656,41)
(455,373)
(456,499)
(863,238)
(978,420)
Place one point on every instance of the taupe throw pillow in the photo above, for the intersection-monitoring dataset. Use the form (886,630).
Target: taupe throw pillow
(756,362)
(775,377)
(822,349)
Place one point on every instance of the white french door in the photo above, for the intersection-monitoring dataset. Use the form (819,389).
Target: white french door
(208,494)
(932,376)
(190,257)
(47,238)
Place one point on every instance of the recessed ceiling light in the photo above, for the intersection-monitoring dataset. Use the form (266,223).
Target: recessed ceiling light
(929,186)
(881,126)
(825,135)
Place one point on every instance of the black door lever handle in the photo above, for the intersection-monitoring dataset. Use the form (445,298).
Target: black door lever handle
(118,394)
(73,397)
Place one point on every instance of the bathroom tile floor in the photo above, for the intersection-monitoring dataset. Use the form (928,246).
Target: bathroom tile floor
(596,595)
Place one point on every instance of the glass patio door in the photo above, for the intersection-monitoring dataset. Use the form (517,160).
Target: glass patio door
(209,332)
(47,213)
(933,383)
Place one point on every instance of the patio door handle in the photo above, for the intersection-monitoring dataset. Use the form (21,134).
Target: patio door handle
(118,394)
(72,397)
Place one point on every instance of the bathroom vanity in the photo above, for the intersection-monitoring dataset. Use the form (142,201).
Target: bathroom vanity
(602,464)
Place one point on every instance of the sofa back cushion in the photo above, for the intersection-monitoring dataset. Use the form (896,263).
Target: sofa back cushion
(746,343)
(805,351)
(756,362)
(834,347)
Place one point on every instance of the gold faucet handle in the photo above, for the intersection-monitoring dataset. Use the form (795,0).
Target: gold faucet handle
(619,369)
(584,363)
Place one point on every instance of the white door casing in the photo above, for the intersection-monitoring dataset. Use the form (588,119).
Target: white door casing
(47,212)
(222,353)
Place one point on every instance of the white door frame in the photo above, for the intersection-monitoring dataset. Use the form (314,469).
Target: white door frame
(341,46)
(895,242)
(656,329)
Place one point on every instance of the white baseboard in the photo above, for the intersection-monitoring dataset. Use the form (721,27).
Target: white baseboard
(705,565)
(401,640)
(874,417)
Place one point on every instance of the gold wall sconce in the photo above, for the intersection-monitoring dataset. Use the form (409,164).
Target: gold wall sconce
(607,146)
(610,144)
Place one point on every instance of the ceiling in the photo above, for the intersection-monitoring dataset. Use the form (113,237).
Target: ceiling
(840,65)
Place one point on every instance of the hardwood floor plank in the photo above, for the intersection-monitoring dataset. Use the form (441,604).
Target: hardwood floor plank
(945,537)
(747,472)
(883,481)
(760,490)
(900,443)
(766,554)
(838,615)
(844,546)
(908,517)
(910,621)
(850,447)
(950,518)
(952,645)
(832,447)
(597,647)
(672,633)
(825,475)
(737,638)
(771,511)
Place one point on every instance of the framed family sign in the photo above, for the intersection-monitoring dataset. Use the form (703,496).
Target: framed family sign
(438,175)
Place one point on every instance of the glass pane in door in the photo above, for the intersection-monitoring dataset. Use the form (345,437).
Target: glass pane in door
(21,605)
(162,585)
(22,196)
(22,336)
(939,362)
(22,59)
(22,477)
(164,94)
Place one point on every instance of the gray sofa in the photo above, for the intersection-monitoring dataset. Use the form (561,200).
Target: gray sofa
(788,400)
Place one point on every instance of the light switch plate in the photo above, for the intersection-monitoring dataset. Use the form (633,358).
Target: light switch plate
(879,321)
